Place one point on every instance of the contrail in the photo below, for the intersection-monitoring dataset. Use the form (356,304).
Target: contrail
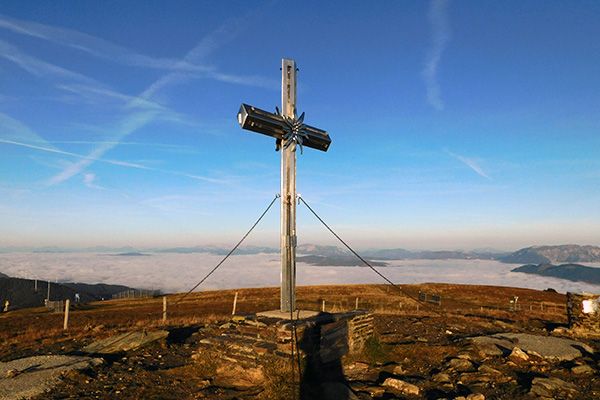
(471,163)
(440,31)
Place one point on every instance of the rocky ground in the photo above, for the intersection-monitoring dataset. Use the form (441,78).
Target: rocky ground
(449,352)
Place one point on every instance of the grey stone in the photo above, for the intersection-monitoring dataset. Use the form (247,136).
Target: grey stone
(398,370)
(373,391)
(488,370)
(125,342)
(550,387)
(549,347)
(401,386)
(476,396)
(582,370)
(518,355)
(32,376)
(441,378)
(460,364)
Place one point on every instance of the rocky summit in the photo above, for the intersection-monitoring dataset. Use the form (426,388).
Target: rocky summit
(471,346)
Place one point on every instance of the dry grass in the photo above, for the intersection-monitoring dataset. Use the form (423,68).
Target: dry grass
(33,327)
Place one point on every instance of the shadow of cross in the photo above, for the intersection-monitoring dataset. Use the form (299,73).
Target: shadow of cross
(289,131)
(324,344)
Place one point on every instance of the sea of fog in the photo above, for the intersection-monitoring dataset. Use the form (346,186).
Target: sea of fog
(180,272)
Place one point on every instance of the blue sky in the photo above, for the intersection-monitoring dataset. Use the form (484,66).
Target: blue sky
(455,124)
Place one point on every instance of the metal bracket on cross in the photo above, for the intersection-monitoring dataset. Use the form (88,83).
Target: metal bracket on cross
(295,132)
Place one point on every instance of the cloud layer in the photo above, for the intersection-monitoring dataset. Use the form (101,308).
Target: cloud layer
(179,272)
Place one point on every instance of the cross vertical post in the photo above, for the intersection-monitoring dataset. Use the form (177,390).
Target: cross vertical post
(288,193)
(290,132)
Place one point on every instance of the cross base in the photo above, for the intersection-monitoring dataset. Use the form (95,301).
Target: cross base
(282,315)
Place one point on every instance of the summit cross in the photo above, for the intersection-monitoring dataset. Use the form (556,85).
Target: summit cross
(289,132)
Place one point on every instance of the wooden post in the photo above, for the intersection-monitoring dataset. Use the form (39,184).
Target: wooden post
(356,305)
(164,309)
(48,296)
(66,322)
(234,303)
(323,306)
(35,286)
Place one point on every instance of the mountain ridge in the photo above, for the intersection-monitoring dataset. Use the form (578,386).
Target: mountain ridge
(553,254)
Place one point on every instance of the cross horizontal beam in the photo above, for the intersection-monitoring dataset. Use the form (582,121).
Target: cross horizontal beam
(274,125)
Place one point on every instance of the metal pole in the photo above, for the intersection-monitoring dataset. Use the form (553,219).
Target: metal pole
(288,193)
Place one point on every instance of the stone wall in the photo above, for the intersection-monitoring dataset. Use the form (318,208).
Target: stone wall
(326,336)
(583,311)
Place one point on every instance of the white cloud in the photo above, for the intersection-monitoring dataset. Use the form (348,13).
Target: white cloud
(440,35)
(89,179)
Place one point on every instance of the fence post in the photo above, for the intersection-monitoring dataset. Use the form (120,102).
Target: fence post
(66,322)
(356,305)
(323,306)
(234,303)
(164,309)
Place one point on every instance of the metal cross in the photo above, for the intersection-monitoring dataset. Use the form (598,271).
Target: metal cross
(289,132)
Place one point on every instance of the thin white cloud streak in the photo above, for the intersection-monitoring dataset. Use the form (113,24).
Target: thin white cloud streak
(80,84)
(38,67)
(440,35)
(94,46)
(115,162)
(136,121)
(175,147)
(13,129)
(471,163)
(132,122)
(106,50)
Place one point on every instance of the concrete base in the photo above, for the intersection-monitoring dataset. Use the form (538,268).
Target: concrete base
(298,314)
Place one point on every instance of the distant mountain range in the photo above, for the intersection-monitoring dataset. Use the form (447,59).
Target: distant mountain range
(571,272)
(402,254)
(530,255)
(568,253)
(21,293)
(337,261)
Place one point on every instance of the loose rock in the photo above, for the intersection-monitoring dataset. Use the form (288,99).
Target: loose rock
(518,355)
(582,370)
(401,386)
(460,364)
(550,387)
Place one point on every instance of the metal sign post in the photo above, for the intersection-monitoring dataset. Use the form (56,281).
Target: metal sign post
(289,132)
